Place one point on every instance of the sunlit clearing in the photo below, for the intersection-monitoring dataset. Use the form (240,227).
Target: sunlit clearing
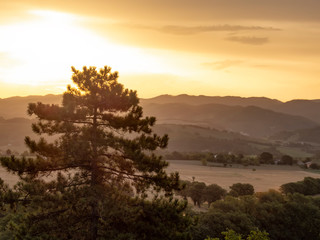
(43,50)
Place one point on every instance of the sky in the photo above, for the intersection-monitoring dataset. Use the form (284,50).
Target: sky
(245,48)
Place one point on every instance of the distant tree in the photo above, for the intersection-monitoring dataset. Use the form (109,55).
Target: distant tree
(184,192)
(241,189)
(103,165)
(221,158)
(213,192)
(270,196)
(314,166)
(239,157)
(266,157)
(286,160)
(8,152)
(309,186)
(196,192)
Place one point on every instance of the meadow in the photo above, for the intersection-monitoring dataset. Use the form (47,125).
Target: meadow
(263,177)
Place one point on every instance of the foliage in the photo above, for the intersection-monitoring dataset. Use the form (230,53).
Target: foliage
(199,192)
(266,157)
(102,167)
(286,160)
(291,216)
(309,186)
(196,192)
(314,166)
(232,235)
(241,189)
(213,192)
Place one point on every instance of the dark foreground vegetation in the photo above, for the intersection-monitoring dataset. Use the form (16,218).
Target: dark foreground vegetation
(292,216)
(289,214)
(100,179)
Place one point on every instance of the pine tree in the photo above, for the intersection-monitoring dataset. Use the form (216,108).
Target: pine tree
(99,178)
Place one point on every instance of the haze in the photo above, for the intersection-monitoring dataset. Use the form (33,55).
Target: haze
(206,47)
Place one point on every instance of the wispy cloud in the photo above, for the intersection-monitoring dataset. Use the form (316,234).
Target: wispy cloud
(219,65)
(183,30)
(249,40)
(191,30)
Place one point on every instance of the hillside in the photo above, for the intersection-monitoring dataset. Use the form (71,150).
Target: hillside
(188,138)
(309,135)
(194,123)
(253,121)
(12,133)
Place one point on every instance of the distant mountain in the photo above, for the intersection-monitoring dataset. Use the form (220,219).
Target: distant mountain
(17,106)
(256,116)
(305,108)
(251,120)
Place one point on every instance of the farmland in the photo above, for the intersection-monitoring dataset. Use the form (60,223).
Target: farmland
(263,178)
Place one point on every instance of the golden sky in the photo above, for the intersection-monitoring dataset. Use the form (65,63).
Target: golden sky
(201,47)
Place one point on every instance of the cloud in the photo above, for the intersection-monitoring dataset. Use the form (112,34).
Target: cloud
(219,65)
(190,30)
(249,40)
(183,30)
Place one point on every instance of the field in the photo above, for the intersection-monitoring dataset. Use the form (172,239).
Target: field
(265,177)
(8,177)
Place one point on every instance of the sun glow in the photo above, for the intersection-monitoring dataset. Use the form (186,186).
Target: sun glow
(43,50)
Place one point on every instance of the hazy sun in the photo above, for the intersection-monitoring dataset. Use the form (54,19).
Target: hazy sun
(42,50)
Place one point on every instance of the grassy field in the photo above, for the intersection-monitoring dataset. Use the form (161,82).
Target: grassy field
(265,177)
(8,177)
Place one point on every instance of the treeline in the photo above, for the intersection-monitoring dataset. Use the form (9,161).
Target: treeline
(230,158)
(200,193)
(283,215)
(309,186)
(292,216)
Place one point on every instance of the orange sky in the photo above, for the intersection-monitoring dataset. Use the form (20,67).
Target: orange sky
(210,47)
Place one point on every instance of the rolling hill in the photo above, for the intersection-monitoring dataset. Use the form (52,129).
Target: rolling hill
(251,120)
(195,123)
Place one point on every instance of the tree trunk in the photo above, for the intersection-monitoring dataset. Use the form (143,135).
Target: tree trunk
(94,182)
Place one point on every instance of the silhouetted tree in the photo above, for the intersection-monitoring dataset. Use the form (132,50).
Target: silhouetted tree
(102,167)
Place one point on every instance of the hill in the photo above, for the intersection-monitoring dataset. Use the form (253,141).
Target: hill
(309,135)
(251,120)
(188,138)
(197,123)
(12,133)
(17,106)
